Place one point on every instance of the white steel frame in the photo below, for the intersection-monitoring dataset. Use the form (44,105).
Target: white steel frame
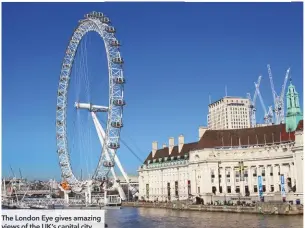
(93,22)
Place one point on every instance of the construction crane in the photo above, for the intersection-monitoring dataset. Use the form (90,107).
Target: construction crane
(270,115)
(13,173)
(282,96)
(253,103)
(20,173)
(268,118)
(278,100)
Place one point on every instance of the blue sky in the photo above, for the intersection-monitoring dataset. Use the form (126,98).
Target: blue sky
(176,54)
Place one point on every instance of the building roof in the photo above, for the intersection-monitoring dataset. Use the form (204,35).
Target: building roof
(164,152)
(246,136)
(228,97)
(300,126)
(272,134)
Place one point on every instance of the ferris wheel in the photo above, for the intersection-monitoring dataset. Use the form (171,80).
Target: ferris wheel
(110,137)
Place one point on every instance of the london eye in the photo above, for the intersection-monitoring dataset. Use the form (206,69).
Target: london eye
(109,135)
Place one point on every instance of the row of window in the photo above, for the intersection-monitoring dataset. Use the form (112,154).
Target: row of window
(237,189)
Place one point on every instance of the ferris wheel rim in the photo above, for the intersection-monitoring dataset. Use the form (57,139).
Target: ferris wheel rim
(115,70)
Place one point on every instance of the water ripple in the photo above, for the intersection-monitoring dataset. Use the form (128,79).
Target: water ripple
(164,218)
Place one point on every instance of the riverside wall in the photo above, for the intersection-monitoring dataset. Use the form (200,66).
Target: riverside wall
(271,208)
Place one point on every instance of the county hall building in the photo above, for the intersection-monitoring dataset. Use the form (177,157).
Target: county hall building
(230,165)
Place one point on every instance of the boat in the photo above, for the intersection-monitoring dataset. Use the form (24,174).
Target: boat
(22,206)
(40,207)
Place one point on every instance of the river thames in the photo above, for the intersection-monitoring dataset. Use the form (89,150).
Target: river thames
(164,218)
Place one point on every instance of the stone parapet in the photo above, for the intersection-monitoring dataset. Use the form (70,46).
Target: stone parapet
(275,208)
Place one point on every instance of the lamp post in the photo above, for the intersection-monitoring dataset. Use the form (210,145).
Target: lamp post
(219,185)
(128,188)
(128,191)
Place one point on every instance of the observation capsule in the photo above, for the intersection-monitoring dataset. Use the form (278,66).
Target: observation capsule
(60,92)
(67,176)
(108,164)
(60,151)
(64,78)
(115,43)
(110,29)
(63,163)
(74,39)
(105,20)
(59,122)
(66,66)
(119,80)
(117,124)
(118,60)
(119,102)
(59,136)
(114,146)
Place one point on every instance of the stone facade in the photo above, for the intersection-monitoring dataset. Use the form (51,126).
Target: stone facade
(213,170)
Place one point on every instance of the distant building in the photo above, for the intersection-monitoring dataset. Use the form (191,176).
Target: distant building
(229,113)
(133,180)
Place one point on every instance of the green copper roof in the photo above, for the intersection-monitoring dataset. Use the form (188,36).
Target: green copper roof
(294,113)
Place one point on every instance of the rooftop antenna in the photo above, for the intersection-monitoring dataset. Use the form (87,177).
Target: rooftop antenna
(226,91)
(210,99)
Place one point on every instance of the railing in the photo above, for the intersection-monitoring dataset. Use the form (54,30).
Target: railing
(96,201)
(30,192)
(34,192)
(252,146)
(167,163)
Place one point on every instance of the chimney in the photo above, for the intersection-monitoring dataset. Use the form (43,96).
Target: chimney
(202,130)
(164,145)
(154,148)
(180,142)
(171,144)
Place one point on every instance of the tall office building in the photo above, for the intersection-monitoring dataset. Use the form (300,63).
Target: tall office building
(229,113)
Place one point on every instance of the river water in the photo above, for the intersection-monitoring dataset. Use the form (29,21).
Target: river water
(129,217)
